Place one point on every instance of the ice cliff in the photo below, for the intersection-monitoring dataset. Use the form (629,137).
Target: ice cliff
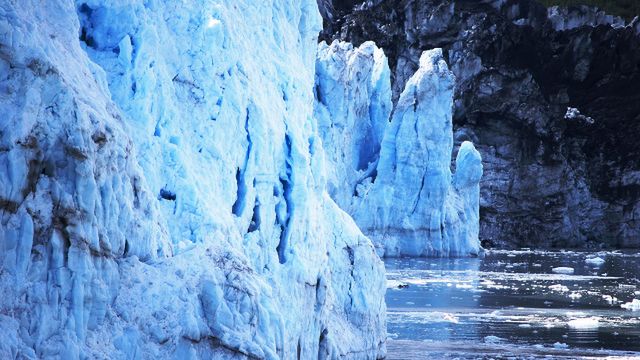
(390,167)
(162,186)
(518,68)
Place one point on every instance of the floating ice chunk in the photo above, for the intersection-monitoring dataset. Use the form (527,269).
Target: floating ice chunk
(450,318)
(584,323)
(633,305)
(610,299)
(493,339)
(558,287)
(560,345)
(396,284)
(575,313)
(575,296)
(464,286)
(563,270)
(595,261)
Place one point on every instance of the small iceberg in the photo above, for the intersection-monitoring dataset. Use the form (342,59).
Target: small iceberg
(493,339)
(396,284)
(633,305)
(584,323)
(594,261)
(575,296)
(559,287)
(563,270)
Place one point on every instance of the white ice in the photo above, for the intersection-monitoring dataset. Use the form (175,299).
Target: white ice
(633,305)
(595,261)
(584,323)
(563,270)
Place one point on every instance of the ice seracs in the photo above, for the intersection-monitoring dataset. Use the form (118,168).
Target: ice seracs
(162,192)
(391,169)
(353,106)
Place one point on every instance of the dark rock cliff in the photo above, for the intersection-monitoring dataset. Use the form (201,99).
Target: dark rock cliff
(550,97)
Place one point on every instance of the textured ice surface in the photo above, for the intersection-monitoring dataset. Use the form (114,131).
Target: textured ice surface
(353,106)
(162,188)
(391,172)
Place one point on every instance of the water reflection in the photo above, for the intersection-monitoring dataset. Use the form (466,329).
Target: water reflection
(435,286)
(515,300)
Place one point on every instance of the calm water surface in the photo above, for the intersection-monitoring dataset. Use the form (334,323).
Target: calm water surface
(511,304)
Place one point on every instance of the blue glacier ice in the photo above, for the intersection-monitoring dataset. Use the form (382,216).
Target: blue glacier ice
(390,167)
(353,91)
(163,187)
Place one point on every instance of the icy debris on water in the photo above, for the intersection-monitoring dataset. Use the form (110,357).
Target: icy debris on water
(633,305)
(493,339)
(575,296)
(396,284)
(558,287)
(626,286)
(584,323)
(594,261)
(563,270)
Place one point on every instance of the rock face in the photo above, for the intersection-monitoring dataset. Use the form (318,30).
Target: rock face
(162,188)
(550,180)
(392,172)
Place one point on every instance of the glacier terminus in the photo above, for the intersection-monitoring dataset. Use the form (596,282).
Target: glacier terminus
(201,179)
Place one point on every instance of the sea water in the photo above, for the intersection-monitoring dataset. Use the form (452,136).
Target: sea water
(515,304)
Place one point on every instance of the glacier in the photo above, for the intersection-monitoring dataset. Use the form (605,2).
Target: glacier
(163,187)
(389,166)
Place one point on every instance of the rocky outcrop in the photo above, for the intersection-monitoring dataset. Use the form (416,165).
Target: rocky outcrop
(550,180)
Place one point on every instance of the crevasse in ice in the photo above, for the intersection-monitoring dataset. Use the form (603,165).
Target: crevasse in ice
(162,187)
(389,167)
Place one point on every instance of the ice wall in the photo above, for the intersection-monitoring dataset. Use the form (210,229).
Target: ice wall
(404,198)
(162,187)
(353,106)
